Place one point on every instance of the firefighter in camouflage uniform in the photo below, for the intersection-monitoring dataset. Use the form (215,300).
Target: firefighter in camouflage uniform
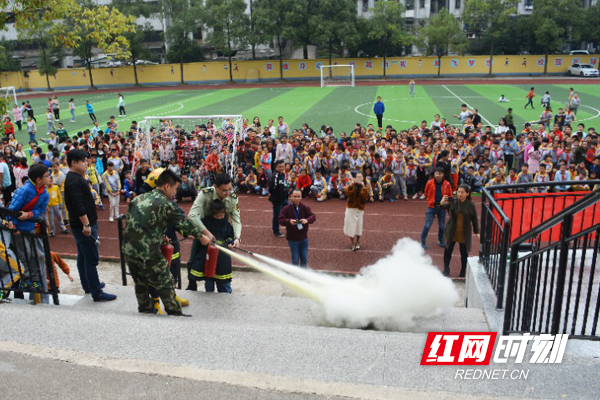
(148,217)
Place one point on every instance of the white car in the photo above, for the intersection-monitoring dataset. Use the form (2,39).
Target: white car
(582,70)
(579,53)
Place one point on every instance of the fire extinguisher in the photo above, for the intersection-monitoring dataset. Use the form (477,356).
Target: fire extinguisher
(210,267)
(167,251)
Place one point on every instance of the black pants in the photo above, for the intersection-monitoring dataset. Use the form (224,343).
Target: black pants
(509,158)
(380,121)
(463,257)
(421,179)
(122,110)
(7,195)
(18,125)
(530,101)
(57,114)
(277,207)
(92,117)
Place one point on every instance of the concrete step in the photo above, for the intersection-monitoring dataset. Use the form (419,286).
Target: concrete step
(264,310)
(268,341)
(255,334)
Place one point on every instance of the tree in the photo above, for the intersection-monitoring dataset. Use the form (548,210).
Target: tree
(137,47)
(276,17)
(556,23)
(442,34)
(228,20)
(336,23)
(184,18)
(592,24)
(28,14)
(48,53)
(490,19)
(7,61)
(304,23)
(87,27)
(387,27)
(255,32)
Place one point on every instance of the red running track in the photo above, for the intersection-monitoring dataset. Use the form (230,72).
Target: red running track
(329,249)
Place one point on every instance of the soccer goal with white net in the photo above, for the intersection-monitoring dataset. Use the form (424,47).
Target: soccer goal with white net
(10,94)
(188,140)
(337,75)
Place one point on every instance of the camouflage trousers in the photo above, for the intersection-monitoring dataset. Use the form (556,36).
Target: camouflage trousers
(153,274)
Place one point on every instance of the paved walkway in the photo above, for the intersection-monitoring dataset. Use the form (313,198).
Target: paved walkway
(273,343)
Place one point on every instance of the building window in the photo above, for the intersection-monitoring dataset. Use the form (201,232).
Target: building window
(528,4)
(422,3)
(410,4)
(365,6)
(457,4)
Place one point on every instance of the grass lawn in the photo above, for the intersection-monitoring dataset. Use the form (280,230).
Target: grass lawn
(340,107)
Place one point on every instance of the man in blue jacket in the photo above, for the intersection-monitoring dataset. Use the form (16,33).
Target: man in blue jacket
(379,109)
(31,200)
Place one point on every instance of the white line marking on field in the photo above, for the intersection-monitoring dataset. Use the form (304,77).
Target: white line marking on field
(592,108)
(468,105)
(168,106)
(387,119)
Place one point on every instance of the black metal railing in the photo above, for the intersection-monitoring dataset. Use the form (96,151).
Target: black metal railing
(555,288)
(25,261)
(493,246)
(499,228)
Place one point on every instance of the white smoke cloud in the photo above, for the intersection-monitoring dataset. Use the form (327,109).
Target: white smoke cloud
(389,295)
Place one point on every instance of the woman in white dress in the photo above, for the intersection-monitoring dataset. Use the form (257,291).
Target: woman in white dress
(357,195)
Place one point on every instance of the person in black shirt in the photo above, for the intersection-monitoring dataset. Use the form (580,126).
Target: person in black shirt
(442,162)
(278,194)
(84,225)
(141,175)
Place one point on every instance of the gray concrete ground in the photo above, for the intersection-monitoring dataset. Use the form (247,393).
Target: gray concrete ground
(245,281)
(274,344)
(55,379)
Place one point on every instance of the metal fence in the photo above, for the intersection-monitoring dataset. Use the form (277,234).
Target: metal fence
(555,288)
(25,261)
(498,229)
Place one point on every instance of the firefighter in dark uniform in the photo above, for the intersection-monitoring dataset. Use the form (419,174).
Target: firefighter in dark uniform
(221,191)
(222,231)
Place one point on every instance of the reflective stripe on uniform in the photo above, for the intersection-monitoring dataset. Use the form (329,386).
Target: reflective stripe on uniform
(175,256)
(223,277)
(197,273)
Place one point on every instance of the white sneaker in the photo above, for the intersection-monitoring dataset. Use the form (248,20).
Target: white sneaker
(405,197)
(422,197)
(415,196)
(111,219)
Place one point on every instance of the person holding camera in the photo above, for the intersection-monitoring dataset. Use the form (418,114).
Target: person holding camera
(462,222)
(296,217)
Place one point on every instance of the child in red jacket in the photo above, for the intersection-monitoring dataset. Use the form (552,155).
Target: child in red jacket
(304,183)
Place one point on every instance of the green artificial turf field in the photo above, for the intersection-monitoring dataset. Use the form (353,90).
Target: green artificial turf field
(340,107)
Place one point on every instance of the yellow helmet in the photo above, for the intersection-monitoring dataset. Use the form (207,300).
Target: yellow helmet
(153,177)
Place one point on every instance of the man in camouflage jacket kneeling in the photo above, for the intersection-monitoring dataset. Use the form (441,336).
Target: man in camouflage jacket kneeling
(148,217)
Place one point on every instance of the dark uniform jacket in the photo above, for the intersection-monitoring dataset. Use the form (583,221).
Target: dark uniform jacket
(469,213)
(223,233)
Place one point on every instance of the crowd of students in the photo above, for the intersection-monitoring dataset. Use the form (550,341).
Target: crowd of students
(396,163)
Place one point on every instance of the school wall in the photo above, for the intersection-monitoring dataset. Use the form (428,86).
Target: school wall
(268,70)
